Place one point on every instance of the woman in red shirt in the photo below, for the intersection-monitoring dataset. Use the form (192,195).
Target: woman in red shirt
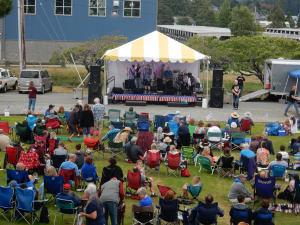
(31,95)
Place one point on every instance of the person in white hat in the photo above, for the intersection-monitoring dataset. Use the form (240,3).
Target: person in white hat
(234,129)
(164,147)
(123,136)
(246,119)
(234,117)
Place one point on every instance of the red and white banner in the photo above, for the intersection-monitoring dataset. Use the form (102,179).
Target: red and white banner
(154,98)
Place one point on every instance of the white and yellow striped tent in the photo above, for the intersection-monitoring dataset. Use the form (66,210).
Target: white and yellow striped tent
(154,47)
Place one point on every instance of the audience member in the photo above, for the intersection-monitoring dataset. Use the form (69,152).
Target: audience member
(287,127)
(166,131)
(153,150)
(61,150)
(285,155)
(234,129)
(196,182)
(110,171)
(67,196)
(51,172)
(79,156)
(234,117)
(164,147)
(52,115)
(279,161)
(169,195)
(47,112)
(243,212)
(99,113)
(144,182)
(73,121)
(53,137)
(265,204)
(214,129)
(112,133)
(39,148)
(123,136)
(183,128)
(206,153)
(294,126)
(289,191)
(70,165)
(269,144)
(135,152)
(87,153)
(296,146)
(238,188)
(111,195)
(246,152)
(86,120)
(131,110)
(263,155)
(203,144)
(253,144)
(94,209)
(89,168)
(145,201)
(225,132)
(21,167)
(247,117)
(4,141)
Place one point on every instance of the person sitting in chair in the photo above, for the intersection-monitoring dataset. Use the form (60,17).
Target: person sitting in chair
(111,134)
(4,141)
(164,147)
(247,117)
(61,150)
(53,116)
(241,208)
(279,161)
(65,195)
(196,181)
(135,152)
(265,204)
(145,181)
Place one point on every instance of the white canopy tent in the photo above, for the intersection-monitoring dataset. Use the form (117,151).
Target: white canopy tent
(154,49)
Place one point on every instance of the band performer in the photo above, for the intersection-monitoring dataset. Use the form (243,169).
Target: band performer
(292,101)
(159,72)
(147,72)
(168,75)
(131,73)
(138,82)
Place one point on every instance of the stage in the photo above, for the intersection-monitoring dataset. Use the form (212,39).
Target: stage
(154,98)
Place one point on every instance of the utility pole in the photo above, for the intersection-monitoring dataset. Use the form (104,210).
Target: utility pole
(255,15)
(21,28)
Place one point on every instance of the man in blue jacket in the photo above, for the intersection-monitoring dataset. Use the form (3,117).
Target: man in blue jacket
(240,212)
(65,195)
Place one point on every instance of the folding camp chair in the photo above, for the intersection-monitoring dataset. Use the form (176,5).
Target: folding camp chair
(6,198)
(51,145)
(39,129)
(279,171)
(52,124)
(264,218)
(4,125)
(173,128)
(143,116)
(12,157)
(143,215)
(209,211)
(57,160)
(197,138)
(206,164)
(173,164)
(131,125)
(19,176)
(117,150)
(218,144)
(89,178)
(172,138)
(296,198)
(130,117)
(62,117)
(168,211)
(245,126)
(144,126)
(114,115)
(264,188)
(68,175)
(194,190)
(94,145)
(52,186)
(188,152)
(185,139)
(192,129)
(159,121)
(152,163)
(133,182)
(171,116)
(27,205)
(31,121)
(118,125)
(240,215)
(227,166)
(236,140)
(21,131)
(65,207)
(163,190)
(244,164)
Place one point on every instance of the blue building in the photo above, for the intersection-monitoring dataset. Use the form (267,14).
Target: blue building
(50,24)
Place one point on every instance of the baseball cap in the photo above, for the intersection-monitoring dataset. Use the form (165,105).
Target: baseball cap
(177,112)
(242,176)
(51,106)
(39,120)
(13,183)
(246,145)
(88,151)
(79,102)
(67,186)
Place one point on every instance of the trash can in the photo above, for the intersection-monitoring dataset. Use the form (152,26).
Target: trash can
(204,103)
(105,100)
(78,93)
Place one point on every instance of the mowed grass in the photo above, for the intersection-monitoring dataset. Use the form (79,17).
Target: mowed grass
(211,184)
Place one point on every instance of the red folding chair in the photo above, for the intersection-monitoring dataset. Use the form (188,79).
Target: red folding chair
(152,163)
(5,127)
(11,157)
(173,164)
(68,175)
(52,124)
(51,145)
(93,144)
(133,182)
(163,190)
(246,126)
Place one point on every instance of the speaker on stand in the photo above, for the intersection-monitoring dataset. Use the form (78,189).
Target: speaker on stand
(217,78)
(95,91)
(95,74)
(216,97)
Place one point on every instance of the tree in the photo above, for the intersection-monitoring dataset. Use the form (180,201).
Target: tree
(224,17)
(164,16)
(85,54)
(290,19)
(205,15)
(243,22)
(183,21)
(234,3)
(177,7)
(6,7)
(277,16)
(298,22)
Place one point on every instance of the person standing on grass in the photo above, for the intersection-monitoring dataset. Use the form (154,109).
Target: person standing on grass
(292,100)
(86,120)
(31,96)
(241,83)
(236,94)
(98,112)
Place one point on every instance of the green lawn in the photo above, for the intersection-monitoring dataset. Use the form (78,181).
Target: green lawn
(211,184)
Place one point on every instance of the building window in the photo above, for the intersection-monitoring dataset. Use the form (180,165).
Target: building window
(97,7)
(63,7)
(29,6)
(132,8)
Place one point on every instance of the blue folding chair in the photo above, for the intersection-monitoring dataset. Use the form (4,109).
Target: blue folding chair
(31,121)
(168,211)
(264,218)
(144,126)
(264,188)
(171,116)
(27,205)
(279,171)
(240,215)
(89,177)
(118,125)
(131,125)
(194,190)
(53,186)
(6,195)
(19,176)
(209,211)
(173,128)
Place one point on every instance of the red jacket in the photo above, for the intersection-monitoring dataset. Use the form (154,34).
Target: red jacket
(32,92)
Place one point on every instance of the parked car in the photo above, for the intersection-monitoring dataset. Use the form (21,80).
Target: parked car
(40,77)
(7,80)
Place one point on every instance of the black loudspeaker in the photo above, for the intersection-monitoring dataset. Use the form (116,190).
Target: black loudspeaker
(117,90)
(138,90)
(95,91)
(216,97)
(95,72)
(186,92)
(218,78)
(169,92)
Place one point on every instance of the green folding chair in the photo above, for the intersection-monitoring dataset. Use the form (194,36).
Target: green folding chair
(116,149)
(194,191)
(205,163)
(114,115)
(237,146)
(188,153)
(215,145)
(39,129)
(65,207)
(192,129)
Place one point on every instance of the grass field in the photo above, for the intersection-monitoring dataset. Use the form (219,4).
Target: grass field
(211,184)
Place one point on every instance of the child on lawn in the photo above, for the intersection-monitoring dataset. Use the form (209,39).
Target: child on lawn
(196,181)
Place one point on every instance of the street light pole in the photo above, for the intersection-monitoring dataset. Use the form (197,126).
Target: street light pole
(21,29)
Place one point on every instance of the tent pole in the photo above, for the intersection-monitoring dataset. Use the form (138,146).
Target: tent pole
(203,75)
(285,86)
(105,77)
(207,64)
(296,86)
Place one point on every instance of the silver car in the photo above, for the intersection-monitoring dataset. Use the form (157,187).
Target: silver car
(40,77)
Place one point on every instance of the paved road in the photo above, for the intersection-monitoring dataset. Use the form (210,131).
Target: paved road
(18,101)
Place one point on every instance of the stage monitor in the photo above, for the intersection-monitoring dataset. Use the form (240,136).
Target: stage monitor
(117,90)
(170,91)
(186,92)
